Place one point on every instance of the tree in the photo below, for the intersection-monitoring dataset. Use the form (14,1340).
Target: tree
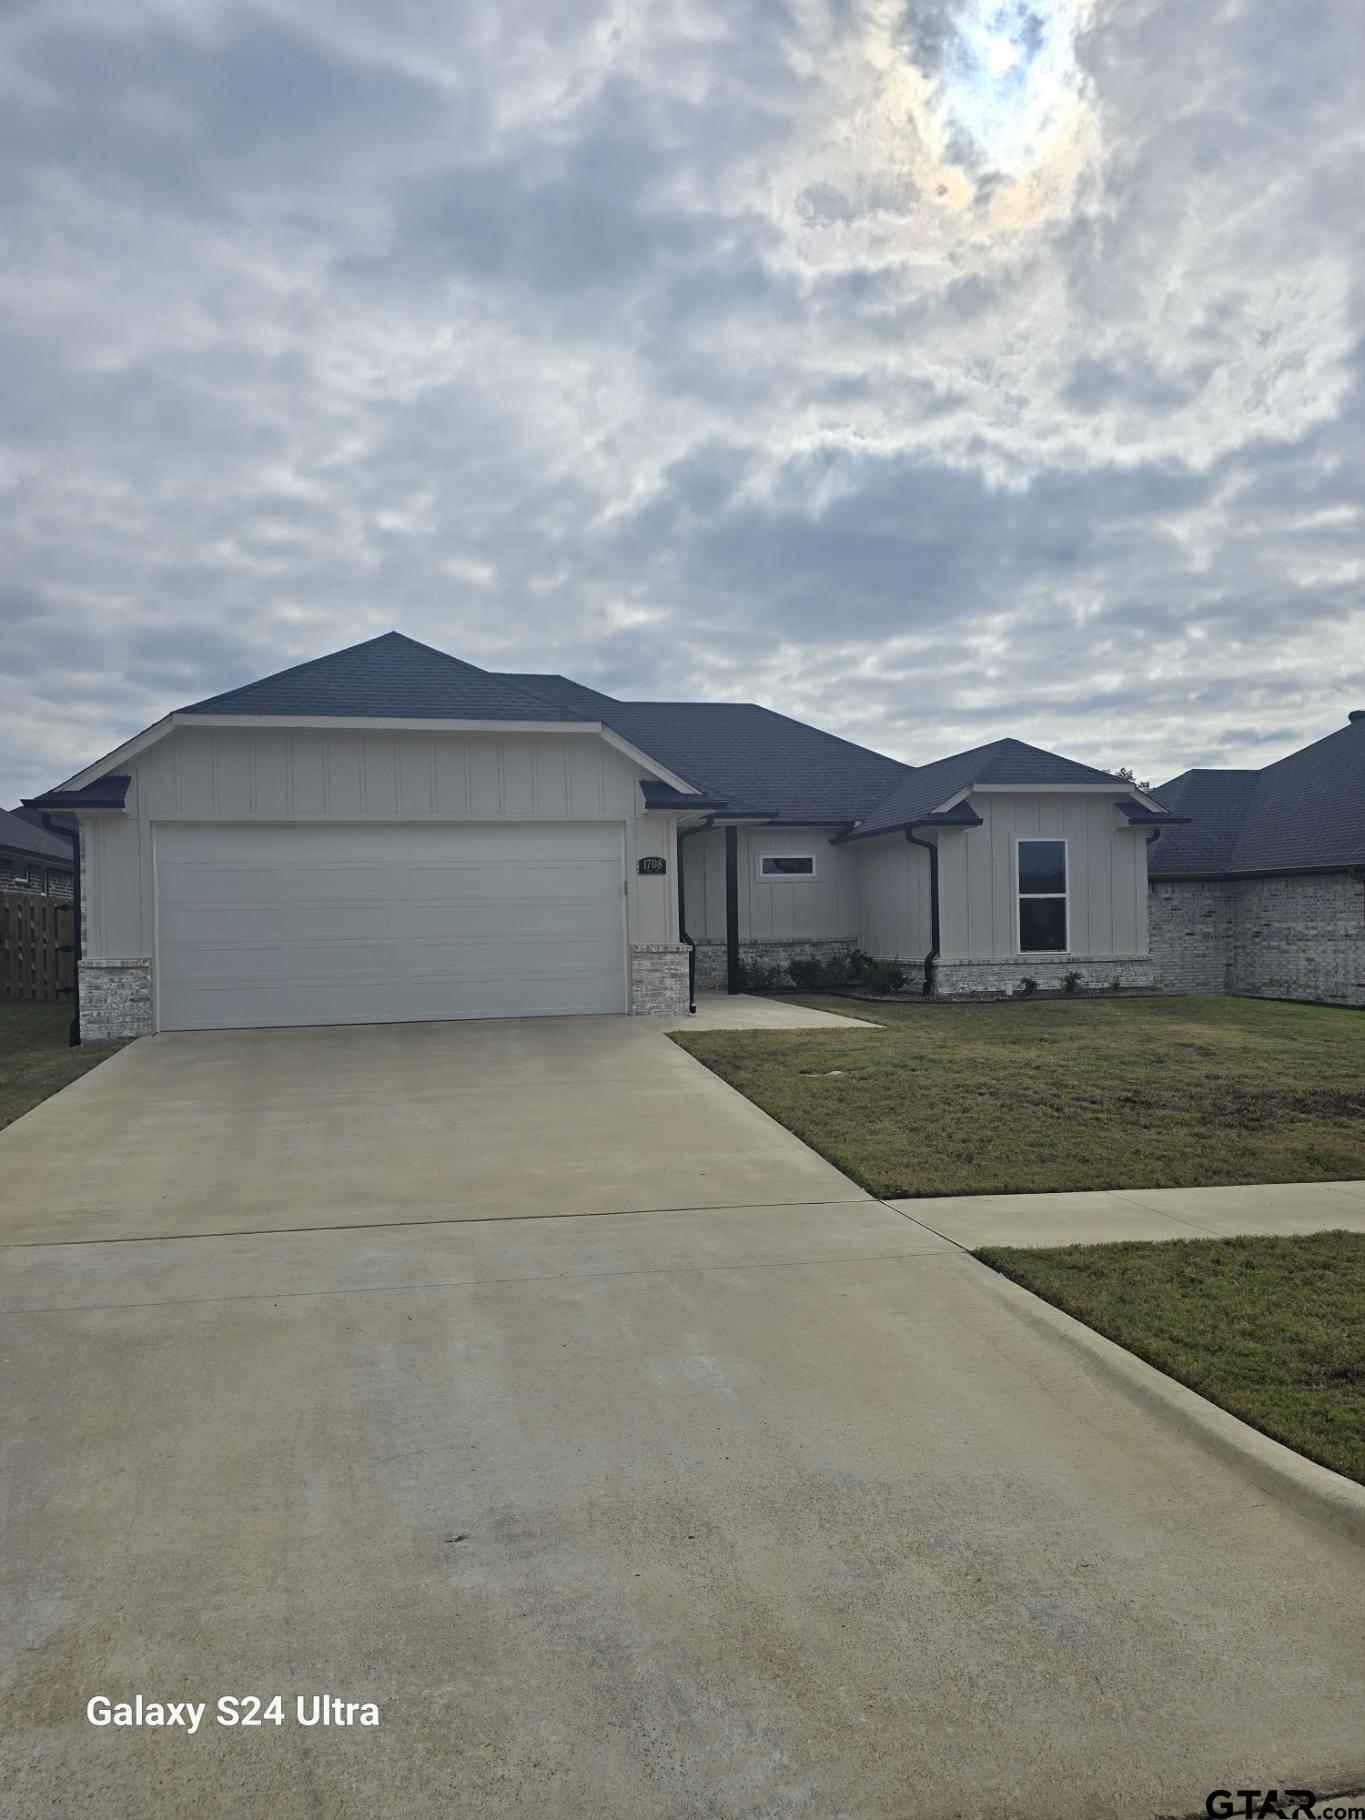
(1126,773)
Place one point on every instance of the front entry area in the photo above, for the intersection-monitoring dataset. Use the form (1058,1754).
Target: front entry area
(263,926)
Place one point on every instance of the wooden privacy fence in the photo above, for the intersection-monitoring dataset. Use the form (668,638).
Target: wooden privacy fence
(36,961)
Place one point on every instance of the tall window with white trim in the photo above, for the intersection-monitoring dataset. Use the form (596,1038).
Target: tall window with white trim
(1042,897)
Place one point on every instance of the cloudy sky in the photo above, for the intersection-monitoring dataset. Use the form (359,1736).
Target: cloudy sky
(928,370)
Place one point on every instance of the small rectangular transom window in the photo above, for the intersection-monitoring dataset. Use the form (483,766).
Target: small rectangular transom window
(786,865)
(1042,897)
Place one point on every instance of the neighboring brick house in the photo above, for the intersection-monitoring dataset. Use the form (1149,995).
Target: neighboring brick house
(1263,891)
(32,858)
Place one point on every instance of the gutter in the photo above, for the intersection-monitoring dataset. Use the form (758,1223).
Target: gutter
(931,848)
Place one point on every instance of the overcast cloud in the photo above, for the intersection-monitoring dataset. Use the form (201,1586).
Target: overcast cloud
(929,371)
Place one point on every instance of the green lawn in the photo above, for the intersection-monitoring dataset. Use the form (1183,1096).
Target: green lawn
(1087,1093)
(1272,1329)
(35,1059)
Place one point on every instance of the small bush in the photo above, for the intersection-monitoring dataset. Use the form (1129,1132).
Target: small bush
(882,976)
(754,976)
(1071,982)
(809,975)
(1029,985)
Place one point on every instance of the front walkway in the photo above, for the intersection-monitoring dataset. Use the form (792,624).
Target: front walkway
(745,1011)
(974,1220)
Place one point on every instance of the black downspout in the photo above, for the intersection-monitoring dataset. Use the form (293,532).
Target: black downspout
(931,848)
(683,936)
(73,1035)
(732,908)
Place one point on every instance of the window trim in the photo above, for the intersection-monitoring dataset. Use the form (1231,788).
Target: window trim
(786,878)
(1051,897)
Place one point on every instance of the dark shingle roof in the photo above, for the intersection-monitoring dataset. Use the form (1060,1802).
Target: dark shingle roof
(390,677)
(1003,761)
(1304,811)
(19,835)
(748,758)
(753,760)
(562,692)
(1216,803)
(758,761)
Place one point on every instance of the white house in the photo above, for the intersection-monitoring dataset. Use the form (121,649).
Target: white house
(388,834)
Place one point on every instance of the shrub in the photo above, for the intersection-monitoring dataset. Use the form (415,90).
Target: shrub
(882,976)
(754,976)
(809,975)
(1071,982)
(1029,984)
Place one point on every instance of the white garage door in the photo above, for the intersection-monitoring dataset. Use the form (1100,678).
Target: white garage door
(260,926)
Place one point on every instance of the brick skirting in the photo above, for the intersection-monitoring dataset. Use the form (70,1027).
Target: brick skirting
(1097,972)
(713,970)
(658,980)
(116,999)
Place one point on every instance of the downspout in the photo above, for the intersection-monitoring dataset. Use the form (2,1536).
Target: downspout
(931,848)
(701,828)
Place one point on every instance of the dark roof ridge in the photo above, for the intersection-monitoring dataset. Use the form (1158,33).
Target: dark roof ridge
(311,663)
(388,676)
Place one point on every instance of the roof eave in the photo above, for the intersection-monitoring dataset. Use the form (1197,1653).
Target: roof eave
(108,794)
(954,818)
(1212,875)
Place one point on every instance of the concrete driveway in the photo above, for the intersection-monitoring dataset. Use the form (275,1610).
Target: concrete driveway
(528,1382)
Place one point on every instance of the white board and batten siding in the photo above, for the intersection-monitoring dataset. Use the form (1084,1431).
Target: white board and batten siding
(1106,876)
(897,909)
(826,906)
(247,780)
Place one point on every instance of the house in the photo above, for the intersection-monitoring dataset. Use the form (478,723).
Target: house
(388,833)
(1263,891)
(33,857)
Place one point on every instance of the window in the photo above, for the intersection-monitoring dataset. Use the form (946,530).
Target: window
(786,865)
(23,876)
(1042,897)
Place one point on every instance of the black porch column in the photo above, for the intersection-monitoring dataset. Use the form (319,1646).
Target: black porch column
(732,907)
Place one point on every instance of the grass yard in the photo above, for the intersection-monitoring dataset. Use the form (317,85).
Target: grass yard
(1272,1329)
(1089,1093)
(34,1057)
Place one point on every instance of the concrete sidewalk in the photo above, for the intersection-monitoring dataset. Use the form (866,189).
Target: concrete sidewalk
(974,1220)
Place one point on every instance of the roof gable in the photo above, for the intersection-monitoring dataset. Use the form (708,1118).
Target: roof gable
(1002,762)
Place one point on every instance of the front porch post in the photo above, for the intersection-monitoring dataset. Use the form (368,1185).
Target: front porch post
(732,907)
